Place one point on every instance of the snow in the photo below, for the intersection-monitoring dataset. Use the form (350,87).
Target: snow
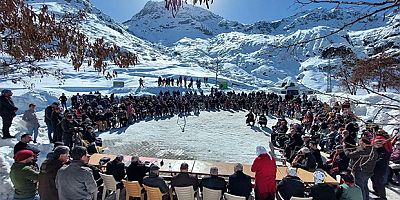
(248,61)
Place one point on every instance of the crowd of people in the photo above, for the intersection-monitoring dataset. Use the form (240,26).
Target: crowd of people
(320,127)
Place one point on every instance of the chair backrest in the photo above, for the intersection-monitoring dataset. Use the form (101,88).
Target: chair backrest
(211,194)
(301,198)
(184,193)
(109,182)
(153,193)
(233,197)
(132,188)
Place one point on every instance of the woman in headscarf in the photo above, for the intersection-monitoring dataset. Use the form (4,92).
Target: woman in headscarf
(265,168)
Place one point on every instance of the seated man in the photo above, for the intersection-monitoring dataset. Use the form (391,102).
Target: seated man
(213,181)
(348,190)
(117,169)
(321,190)
(305,160)
(153,180)
(137,170)
(183,179)
(239,183)
(291,185)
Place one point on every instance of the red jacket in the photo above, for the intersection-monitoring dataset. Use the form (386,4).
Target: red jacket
(265,168)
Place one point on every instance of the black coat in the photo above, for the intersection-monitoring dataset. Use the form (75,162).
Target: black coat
(240,184)
(155,181)
(7,107)
(184,180)
(290,186)
(136,172)
(117,169)
(214,183)
(322,191)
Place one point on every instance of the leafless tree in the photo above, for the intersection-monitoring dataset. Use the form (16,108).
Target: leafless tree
(28,37)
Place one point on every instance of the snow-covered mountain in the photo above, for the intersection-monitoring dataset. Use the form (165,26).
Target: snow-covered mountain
(156,24)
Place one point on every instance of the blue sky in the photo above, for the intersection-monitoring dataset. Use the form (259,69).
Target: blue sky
(244,11)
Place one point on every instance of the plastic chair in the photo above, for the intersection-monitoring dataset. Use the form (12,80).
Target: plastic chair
(184,193)
(133,189)
(301,198)
(109,185)
(233,197)
(153,193)
(210,194)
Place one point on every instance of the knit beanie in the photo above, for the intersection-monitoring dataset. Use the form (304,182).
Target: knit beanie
(23,155)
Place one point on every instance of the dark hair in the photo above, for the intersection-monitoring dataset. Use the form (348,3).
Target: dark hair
(347,177)
(60,150)
(31,105)
(78,152)
(56,144)
(25,134)
(184,166)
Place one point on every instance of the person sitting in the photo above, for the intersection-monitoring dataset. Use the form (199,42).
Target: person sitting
(395,165)
(291,185)
(262,120)
(250,120)
(239,183)
(338,161)
(153,180)
(213,182)
(321,190)
(305,160)
(183,179)
(316,153)
(117,169)
(137,170)
(348,190)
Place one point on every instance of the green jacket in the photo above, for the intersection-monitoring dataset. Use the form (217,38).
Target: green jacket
(24,179)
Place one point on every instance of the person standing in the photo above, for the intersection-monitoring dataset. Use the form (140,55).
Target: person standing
(76,181)
(32,122)
(47,119)
(48,171)
(7,112)
(363,162)
(63,99)
(264,167)
(23,176)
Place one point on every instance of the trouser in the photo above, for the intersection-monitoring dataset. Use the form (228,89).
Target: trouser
(378,184)
(49,130)
(7,121)
(67,139)
(33,131)
(64,105)
(361,179)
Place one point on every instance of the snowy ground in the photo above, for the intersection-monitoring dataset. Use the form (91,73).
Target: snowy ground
(219,135)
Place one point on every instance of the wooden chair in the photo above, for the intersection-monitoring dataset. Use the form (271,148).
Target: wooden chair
(233,197)
(109,185)
(153,193)
(301,198)
(133,189)
(184,193)
(209,194)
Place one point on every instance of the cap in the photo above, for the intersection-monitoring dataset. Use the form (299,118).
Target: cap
(23,155)
(5,91)
(305,150)
(306,136)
